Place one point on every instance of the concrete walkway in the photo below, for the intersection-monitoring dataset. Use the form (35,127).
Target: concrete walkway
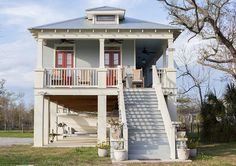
(8,141)
(76,141)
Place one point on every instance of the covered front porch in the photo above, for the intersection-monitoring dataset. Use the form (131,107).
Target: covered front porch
(96,63)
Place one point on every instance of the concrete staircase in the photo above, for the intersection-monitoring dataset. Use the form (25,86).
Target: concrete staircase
(147,137)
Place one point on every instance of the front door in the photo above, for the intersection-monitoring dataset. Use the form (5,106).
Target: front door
(112,61)
(64,60)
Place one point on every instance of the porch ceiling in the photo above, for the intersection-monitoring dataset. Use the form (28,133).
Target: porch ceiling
(83,103)
(151,45)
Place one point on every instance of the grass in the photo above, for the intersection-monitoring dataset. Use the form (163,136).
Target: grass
(213,155)
(16,133)
(25,154)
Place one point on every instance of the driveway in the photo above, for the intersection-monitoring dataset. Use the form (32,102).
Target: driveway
(5,141)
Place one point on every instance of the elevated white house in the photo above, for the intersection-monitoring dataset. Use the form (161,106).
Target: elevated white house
(104,65)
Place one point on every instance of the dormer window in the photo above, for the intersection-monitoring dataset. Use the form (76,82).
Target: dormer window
(109,18)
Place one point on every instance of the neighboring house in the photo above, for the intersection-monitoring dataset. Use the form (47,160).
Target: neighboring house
(106,62)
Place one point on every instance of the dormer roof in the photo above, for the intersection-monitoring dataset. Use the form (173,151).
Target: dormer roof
(105,10)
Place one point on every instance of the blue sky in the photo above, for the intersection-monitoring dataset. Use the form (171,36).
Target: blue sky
(18,47)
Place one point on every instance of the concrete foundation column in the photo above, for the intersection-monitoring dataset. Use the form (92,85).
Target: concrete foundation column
(102,118)
(53,117)
(38,120)
(46,121)
(171,104)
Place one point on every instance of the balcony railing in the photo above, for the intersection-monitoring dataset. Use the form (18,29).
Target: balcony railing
(79,77)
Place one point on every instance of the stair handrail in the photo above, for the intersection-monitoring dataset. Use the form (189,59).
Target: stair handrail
(122,113)
(169,127)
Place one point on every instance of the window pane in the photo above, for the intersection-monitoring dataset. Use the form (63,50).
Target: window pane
(107,59)
(59,58)
(106,18)
(116,59)
(69,59)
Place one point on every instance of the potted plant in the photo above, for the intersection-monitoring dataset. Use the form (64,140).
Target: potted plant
(182,150)
(116,128)
(103,148)
(183,153)
(192,145)
(120,154)
(181,131)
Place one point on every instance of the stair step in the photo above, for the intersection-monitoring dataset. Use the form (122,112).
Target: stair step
(145,121)
(149,146)
(140,106)
(148,102)
(143,157)
(130,127)
(133,130)
(127,97)
(144,135)
(143,115)
(132,111)
(133,118)
(144,149)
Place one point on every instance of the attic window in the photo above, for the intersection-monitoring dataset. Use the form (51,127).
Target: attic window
(106,18)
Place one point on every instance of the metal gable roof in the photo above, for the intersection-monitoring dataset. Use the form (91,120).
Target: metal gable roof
(84,23)
(105,8)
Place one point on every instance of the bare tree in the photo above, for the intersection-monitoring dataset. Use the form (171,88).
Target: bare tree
(215,22)
(193,77)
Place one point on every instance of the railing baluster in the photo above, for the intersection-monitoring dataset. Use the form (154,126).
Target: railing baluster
(69,77)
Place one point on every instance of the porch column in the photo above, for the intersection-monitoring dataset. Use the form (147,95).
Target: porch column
(101,53)
(46,121)
(38,120)
(40,54)
(102,118)
(170,53)
(53,118)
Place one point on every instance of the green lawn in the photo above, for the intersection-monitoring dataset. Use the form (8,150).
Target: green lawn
(215,155)
(16,133)
(25,154)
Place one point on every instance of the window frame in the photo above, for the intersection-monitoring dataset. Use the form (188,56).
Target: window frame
(56,46)
(106,20)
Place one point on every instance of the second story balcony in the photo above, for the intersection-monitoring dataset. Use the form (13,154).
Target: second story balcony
(80,77)
(103,78)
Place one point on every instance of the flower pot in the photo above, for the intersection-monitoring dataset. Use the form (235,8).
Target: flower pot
(193,152)
(181,134)
(102,152)
(120,155)
(183,154)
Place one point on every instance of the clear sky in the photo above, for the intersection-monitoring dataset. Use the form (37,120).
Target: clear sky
(18,47)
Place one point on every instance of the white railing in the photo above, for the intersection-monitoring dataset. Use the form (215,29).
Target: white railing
(79,77)
(71,77)
(122,113)
(112,77)
(169,127)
